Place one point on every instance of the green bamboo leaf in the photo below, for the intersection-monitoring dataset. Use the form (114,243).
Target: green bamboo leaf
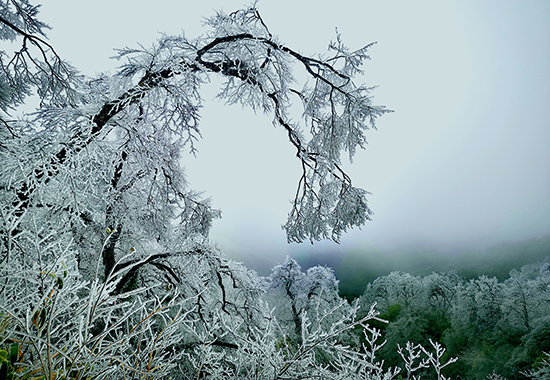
(14,353)
(3,356)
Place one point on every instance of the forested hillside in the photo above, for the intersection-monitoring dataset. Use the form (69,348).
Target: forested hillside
(491,325)
(494,327)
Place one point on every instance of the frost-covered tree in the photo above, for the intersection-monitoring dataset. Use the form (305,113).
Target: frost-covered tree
(99,162)
(483,299)
(105,265)
(127,131)
(440,290)
(526,296)
(34,66)
(296,294)
(397,288)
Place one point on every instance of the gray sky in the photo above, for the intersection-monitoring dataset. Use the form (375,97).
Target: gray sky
(462,164)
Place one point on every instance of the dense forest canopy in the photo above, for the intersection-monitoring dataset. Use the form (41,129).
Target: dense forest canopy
(106,269)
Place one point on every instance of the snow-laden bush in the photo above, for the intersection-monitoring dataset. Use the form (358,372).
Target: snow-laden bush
(63,326)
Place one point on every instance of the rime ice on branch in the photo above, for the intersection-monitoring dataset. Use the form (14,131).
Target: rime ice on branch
(156,93)
(258,71)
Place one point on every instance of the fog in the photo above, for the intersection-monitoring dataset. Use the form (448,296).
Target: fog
(461,165)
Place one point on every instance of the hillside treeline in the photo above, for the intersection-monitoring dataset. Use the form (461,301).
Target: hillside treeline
(492,326)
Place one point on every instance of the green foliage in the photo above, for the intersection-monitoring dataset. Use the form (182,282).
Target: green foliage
(419,326)
(390,315)
(490,325)
(10,361)
(532,347)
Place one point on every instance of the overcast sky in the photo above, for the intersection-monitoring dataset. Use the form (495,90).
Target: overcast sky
(463,163)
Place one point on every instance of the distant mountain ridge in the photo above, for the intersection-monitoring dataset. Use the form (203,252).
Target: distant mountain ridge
(499,260)
(355,269)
